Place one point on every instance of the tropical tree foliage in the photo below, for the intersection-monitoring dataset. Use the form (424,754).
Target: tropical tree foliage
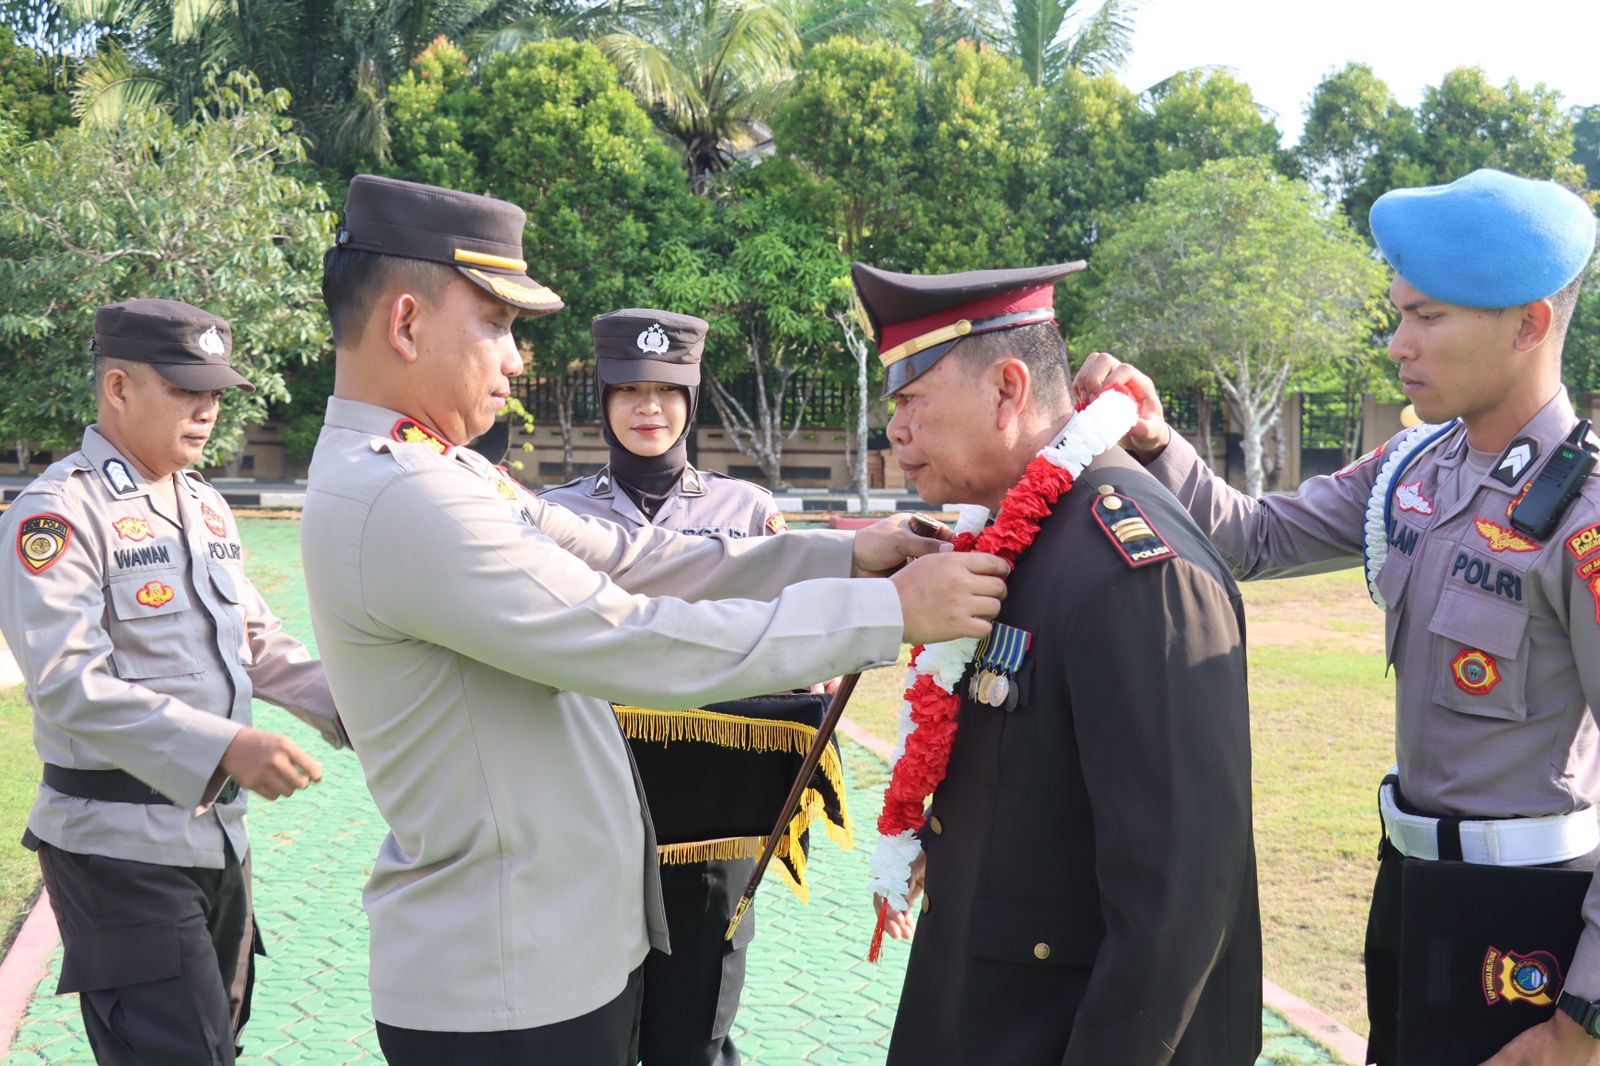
(549,127)
(708,70)
(766,277)
(92,216)
(1237,269)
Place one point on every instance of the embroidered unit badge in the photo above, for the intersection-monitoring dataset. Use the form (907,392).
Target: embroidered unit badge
(1130,531)
(1502,539)
(1410,498)
(41,540)
(1534,978)
(1475,671)
(154,594)
(410,431)
(131,528)
(214,521)
(1585,542)
(777,523)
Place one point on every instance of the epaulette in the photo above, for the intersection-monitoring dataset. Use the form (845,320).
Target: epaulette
(407,457)
(1131,533)
(729,477)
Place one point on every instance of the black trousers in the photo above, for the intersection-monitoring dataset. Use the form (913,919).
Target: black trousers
(691,996)
(1383,949)
(162,957)
(606,1036)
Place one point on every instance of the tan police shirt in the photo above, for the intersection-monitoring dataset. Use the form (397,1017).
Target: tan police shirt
(141,642)
(1495,638)
(473,634)
(703,503)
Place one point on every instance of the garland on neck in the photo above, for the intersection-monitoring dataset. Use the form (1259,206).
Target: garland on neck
(928,712)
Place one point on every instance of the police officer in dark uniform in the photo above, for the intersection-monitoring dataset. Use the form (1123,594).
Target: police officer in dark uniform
(1090,889)
(648,378)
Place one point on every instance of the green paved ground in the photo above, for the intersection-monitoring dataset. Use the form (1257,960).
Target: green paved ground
(811,998)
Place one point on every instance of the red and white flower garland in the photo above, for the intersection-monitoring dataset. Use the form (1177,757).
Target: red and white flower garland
(928,711)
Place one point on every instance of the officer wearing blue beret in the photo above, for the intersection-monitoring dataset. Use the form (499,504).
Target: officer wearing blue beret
(1480,534)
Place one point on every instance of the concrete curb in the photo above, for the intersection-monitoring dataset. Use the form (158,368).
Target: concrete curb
(24,966)
(1350,1048)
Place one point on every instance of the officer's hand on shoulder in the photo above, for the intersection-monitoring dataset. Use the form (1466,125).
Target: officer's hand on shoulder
(950,595)
(269,765)
(1150,434)
(1557,1041)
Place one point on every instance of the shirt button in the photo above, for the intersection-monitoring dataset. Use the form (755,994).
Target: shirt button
(926,905)
(936,825)
(1041,951)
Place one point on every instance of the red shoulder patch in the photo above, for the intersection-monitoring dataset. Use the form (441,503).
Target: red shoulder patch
(42,540)
(777,523)
(410,431)
(1358,462)
(1131,533)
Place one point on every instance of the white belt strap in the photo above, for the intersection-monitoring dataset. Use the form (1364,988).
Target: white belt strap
(1494,842)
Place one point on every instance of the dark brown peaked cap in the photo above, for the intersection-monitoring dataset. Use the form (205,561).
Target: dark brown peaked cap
(187,346)
(478,235)
(641,344)
(916,318)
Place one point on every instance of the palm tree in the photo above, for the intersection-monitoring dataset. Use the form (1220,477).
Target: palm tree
(708,70)
(1100,44)
(335,57)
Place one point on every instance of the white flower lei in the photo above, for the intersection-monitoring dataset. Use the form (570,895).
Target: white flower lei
(1087,434)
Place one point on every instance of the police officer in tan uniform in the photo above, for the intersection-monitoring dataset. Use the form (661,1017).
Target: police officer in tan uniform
(1480,532)
(647,375)
(473,634)
(141,642)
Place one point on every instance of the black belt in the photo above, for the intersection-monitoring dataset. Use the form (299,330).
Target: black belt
(114,786)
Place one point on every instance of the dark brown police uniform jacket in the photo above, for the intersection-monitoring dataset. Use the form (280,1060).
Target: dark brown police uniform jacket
(1091,885)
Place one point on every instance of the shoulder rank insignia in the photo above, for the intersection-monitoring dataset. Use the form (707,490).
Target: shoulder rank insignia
(117,474)
(41,540)
(1130,531)
(410,431)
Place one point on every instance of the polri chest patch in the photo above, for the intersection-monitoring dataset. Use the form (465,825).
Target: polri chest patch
(1131,533)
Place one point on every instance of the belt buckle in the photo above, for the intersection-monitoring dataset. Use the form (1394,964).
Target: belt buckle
(229,793)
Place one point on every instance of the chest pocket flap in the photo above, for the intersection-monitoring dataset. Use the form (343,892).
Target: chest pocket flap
(1480,667)
(151,630)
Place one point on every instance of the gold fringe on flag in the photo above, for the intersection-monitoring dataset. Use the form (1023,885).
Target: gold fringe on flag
(750,734)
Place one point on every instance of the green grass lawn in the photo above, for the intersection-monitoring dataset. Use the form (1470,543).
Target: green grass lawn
(19,775)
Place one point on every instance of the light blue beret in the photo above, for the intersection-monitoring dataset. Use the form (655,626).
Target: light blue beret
(1486,240)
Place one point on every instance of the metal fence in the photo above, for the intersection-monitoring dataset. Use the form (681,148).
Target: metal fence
(831,404)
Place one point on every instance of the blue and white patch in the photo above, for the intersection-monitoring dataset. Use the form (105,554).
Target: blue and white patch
(116,472)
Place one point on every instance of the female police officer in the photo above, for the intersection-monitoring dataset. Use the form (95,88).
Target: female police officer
(648,377)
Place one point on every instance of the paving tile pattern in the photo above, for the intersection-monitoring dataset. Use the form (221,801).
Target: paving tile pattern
(811,999)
